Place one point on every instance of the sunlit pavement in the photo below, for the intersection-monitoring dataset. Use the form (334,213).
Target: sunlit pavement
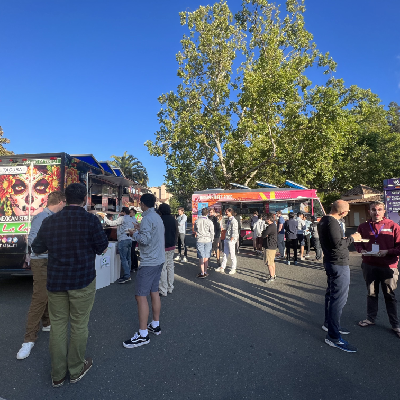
(223,337)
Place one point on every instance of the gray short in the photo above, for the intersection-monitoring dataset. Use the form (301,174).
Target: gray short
(147,279)
(203,249)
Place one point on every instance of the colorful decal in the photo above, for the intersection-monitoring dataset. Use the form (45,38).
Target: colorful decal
(25,194)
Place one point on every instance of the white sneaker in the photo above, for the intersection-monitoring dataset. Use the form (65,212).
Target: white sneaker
(25,350)
(220,269)
(46,328)
(177,258)
(232,271)
(184,259)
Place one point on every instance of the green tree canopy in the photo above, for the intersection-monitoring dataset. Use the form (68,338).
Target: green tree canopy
(131,167)
(245,109)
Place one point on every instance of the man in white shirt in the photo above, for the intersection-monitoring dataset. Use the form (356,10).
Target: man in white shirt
(124,224)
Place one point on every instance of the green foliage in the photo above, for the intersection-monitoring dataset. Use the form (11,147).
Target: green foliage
(265,120)
(131,167)
(3,151)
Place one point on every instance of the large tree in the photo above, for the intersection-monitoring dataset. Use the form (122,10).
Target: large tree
(264,119)
(131,167)
(3,151)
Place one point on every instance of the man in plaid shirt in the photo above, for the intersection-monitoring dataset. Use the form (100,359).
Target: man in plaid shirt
(72,238)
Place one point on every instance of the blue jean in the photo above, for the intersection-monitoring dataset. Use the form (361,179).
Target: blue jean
(338,279)
(124,248)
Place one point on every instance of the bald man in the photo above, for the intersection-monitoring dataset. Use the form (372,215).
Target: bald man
(336,262)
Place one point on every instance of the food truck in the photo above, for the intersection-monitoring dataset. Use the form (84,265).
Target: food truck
(27,179)
(246,201)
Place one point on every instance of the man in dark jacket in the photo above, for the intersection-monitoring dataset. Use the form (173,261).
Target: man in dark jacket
(315,239)
(217,235)
(336,263)
(270,243)
(166,284)
(290,227)
(72,238)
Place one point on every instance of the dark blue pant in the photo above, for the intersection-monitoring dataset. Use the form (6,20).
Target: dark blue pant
(338,278)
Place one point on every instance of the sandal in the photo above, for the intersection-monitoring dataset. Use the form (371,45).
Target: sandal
(367,322)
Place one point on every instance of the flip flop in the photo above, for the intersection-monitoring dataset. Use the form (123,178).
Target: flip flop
(364,323)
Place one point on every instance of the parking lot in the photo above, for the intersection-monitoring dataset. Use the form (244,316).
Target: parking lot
(224,337)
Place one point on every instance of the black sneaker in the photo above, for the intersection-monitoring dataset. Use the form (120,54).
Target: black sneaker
(136,341)
(271,279)
(201,276)
(343,331)
(124,280)
(342,345)
(155,331)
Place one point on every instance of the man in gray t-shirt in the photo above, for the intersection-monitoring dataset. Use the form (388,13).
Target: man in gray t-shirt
(204,232)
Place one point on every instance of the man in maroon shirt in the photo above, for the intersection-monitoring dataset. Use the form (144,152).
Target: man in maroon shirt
(379,263)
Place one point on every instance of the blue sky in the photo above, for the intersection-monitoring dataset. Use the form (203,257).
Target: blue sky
(83,76)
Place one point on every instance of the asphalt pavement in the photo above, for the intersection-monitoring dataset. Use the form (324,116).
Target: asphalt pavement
(224,337)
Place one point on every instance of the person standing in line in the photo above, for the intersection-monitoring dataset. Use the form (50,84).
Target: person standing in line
(281,234)
(204,233)
(182,227)
(307,236)
(151,238)
(72,238)
(290,227)
(253,221)
(300,233)
(134,258)
(380,269)
(258,228)
(38,310)
(124,224)
(270,243)
(231,236)
(217,235)
(239,221)
(336,263)
(166,284)
(315,239)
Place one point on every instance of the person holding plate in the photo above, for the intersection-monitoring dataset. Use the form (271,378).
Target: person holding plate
(380,257)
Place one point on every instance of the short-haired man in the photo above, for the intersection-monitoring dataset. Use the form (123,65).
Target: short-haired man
(258,228)
(38,310)
(281,234)
(380,266)
(217,235)
(204,232)
(301,227)
(124,224)
(315,239)
(336,263)
(270,244)
(182,227)
(72,237)
(253,221)
(290,227)
(231,236)
(151,239)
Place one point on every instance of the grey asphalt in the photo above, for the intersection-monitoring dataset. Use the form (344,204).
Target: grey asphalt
(224,337)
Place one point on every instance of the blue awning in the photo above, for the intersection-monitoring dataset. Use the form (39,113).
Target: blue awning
(265,185)
(117,171)
(107,167)
(294,185)
(88,159)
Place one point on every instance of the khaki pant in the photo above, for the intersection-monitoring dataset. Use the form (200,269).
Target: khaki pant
(71,306)
(167,274)
(38,310)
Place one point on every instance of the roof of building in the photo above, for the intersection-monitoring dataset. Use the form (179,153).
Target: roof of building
(367,200)
(361,189)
